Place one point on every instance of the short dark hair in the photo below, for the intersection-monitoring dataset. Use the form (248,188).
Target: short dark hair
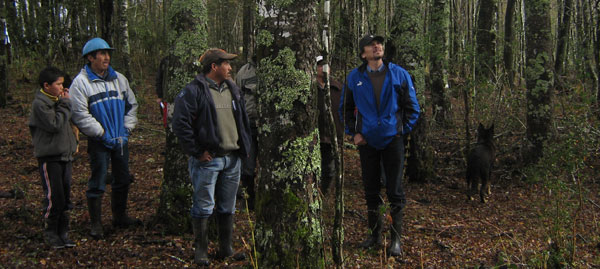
(206,68)
(50,75)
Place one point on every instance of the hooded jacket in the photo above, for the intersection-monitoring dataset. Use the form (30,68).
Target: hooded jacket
(195,119)
(50,126)
(104,108)
(397,113)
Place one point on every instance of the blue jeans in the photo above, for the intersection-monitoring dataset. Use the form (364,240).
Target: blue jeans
(214,181)
(100,156)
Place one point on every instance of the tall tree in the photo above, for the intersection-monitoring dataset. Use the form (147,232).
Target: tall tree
(486,66)
(188,41)
(538,75)
(3,55)
(508,41)
(248,28)
(438,27)
(405,48)
(123,39)
(288,233)
(564,25)
(105,10)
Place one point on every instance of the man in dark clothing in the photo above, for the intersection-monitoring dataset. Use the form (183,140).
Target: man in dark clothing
(335,92)
(212,126)
(381,108)
(246,79)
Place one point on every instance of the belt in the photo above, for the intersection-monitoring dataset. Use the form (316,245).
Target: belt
(222,153)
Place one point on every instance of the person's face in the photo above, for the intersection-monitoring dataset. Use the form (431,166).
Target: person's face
(56,88)
(373,51)
(320,70)
(222,71)
(101,62)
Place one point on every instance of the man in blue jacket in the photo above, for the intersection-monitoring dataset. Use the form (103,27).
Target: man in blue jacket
(381,107)
(105,109)
(212,126)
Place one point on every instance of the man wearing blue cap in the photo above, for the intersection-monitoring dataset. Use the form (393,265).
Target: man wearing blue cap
(104,109)
(381,108)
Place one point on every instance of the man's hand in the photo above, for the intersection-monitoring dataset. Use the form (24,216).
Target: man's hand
(205,157)
(359,140)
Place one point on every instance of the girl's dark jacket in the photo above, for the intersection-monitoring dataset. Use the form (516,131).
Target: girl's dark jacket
(195,119)
(50,126)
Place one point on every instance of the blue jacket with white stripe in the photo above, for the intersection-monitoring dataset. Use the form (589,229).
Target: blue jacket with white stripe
(397,113)
(104,108)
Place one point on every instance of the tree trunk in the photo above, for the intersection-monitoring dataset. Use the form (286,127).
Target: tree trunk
(564,24)
(404,48)
(508,42)
(105,9)
(538,76)
(248,31)
(486,67)
(437,58)
(188,41)
(288,226)
(123,40)
(597,57)
(3,55)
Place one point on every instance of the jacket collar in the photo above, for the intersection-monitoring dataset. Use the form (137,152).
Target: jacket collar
(110,74)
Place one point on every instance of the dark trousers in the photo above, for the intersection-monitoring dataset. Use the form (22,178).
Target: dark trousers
(56,182)
(392,157)
(100,157)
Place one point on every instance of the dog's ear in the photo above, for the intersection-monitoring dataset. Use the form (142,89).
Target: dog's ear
(492,128)
(480,127)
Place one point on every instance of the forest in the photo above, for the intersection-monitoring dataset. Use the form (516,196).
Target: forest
(530,68)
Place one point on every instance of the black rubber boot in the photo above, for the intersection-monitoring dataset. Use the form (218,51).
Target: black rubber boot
(63,230)
(396,230)
(51,233)
(225,222)
(118,205)
(200,226)
(248,184)
(375,222)
(95,210)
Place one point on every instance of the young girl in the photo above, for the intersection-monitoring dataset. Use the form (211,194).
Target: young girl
(54,145)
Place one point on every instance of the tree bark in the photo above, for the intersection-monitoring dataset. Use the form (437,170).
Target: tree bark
(123,40)
(437,59)
(486,67)
(288,224)
(538,76)
(248,31)
(508,42)
(105,9)
(564,25)
(187,39)
(3,55)
(404,48)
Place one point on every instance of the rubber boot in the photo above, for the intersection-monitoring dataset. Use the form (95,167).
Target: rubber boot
(51,233)
(248,184)
(63,230)
(375,222)
(200,226)
(225,223)
(396,230)
(118,205)
(95,210)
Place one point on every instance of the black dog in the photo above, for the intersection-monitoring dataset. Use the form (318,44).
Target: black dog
(479,163)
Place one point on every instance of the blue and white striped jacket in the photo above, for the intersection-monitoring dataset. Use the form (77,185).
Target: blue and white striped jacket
(104,108)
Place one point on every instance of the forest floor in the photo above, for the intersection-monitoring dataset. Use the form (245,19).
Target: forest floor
(441,228)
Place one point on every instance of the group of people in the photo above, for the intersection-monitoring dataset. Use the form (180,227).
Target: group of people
(215,120)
